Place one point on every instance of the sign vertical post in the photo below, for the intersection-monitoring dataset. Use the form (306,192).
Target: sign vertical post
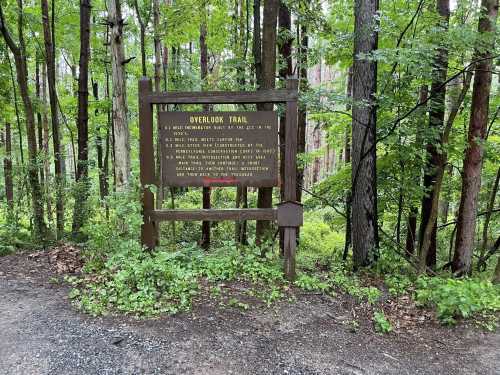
(290,178)
(149,230)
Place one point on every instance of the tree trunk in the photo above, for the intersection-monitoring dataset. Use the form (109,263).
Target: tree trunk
(205,225)
(411,226)
(347,160)
(120,122)
(496,277)
(302,114)
(364,172)
(45,128)
(82,170)
(99,146)
(7,169)
(256,43)
(157,78)
(471,177)
(442,159)
(285,57)
(436,124)
(38,93)
(268,64)
(56,141)
(19,52)
(491,203)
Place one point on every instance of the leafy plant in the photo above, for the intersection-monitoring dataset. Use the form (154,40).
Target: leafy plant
(382,324)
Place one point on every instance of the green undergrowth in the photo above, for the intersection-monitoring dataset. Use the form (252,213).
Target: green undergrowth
(120,276)
(456,299)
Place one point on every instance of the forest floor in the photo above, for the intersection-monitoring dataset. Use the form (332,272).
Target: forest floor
(42,333)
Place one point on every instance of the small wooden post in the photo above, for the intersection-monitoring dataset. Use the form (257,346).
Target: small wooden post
(149,230)
(290,178)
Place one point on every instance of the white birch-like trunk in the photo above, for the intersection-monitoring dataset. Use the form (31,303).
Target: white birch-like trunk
(120,123)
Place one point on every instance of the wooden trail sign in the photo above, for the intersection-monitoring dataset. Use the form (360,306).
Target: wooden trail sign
(219,148)
(194,152)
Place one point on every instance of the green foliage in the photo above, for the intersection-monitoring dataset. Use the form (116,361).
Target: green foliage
(454,299)
(382,324)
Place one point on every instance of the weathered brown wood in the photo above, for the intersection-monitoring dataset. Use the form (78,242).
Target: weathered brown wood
(149,230)
(214,214)
(223,97)
(290,179)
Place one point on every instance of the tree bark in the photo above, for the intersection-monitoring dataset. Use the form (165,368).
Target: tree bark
(7,169)
(471,177)
(268,65)
(436,124)
(82,169)
(205,225)
(120,122)
(19,52)
(347,160)
(302,111)
(257,43)
(426,243)
(364,170)
(491,203)
(285,57)
(56,140)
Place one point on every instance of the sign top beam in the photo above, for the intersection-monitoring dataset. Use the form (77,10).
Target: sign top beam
(223,97)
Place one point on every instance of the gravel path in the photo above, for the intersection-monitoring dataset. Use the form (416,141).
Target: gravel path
(41,333)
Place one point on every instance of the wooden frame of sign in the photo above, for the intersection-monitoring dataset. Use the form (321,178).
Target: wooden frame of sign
(288,213)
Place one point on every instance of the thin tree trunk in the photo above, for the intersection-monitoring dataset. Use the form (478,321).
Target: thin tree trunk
(16,108)
(478,123)
(45,126)
(364,170)
(39,124)
(56,140)
(347,160)
(19,52)
(256,43)
(491,203)
(436,124)
(98,145)
(157,78)
(285,57)
(7,169)
(142,27)
(120,122)
(205,225)
(411,226)
(302,111)
(82,170)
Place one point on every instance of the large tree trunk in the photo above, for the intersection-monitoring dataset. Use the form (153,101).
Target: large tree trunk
(7,169)
(364,113)
(120,122)
(56,140)
(265,195)
(436,124)
(45,129)
(19,52)
(471,177)
(82,169)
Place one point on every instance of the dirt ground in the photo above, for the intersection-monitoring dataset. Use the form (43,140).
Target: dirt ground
(42,333)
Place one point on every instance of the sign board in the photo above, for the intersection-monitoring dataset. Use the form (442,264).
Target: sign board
(219,148)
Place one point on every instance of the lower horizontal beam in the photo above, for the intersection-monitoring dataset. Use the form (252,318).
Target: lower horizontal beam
(215,214)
